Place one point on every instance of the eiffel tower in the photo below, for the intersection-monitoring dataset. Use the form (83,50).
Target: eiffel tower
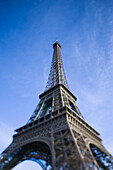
(57,136)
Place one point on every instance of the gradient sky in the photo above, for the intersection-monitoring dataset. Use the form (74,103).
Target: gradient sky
(28,29)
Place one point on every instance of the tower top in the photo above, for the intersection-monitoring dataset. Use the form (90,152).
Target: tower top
(57,73)
(56,43)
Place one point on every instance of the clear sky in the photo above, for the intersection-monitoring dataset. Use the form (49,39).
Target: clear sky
(28,28)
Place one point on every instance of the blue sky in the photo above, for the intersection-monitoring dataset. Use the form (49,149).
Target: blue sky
(28,29)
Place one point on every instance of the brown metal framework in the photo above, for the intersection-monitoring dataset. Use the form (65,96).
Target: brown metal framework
(57,74)
(56,135)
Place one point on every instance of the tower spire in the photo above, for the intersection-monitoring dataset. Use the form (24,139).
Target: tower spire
(57,74)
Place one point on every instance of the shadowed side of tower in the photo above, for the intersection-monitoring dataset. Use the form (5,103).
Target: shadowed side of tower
(56,131)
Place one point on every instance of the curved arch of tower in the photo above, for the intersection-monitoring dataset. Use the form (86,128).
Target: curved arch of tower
(56,136)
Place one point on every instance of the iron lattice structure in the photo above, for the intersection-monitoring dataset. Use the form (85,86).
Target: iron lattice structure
(57,74)
(56,136)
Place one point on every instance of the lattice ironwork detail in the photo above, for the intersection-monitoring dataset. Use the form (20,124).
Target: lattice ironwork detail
(66,153)
(57,74)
